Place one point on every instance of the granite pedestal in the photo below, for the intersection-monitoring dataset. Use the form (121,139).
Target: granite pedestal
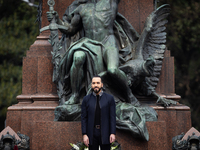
(37,122)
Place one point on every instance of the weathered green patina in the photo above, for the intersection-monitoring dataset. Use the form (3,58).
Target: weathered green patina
(98,40)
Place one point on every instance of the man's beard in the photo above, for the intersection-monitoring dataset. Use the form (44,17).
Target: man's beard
(97,90)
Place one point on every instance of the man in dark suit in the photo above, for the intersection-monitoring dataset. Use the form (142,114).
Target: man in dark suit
(98,117)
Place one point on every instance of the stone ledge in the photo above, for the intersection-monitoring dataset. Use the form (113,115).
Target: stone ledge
(38,97)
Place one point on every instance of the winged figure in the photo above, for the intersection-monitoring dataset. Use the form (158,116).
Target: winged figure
(149,47)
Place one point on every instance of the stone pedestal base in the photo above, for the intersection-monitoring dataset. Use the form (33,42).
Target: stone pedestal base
(36,121)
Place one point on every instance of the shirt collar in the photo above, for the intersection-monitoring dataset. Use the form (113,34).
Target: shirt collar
(100,94)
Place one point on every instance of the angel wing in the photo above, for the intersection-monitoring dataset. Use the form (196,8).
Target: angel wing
(152,40)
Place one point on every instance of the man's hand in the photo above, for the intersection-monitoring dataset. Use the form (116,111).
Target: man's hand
(112,138)
(86,140)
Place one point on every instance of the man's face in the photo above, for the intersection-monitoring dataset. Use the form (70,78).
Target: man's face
(97,85)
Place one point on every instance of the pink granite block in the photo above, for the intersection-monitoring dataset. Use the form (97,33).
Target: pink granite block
(13,119)
(127,141)
(58,135)
(168,80)
(37,115)
(184,121)
(55,135)
(131,11)
(166,84)
(170,117)
(36,121)
(157,135)
(45,71)
(45,8)
(41,47)
(29,78)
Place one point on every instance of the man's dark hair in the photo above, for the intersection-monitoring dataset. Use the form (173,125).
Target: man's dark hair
(97,76)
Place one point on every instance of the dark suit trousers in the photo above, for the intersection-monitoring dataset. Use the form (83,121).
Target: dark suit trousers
(97,141)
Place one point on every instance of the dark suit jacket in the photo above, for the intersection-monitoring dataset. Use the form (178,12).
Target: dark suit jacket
(108,116)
